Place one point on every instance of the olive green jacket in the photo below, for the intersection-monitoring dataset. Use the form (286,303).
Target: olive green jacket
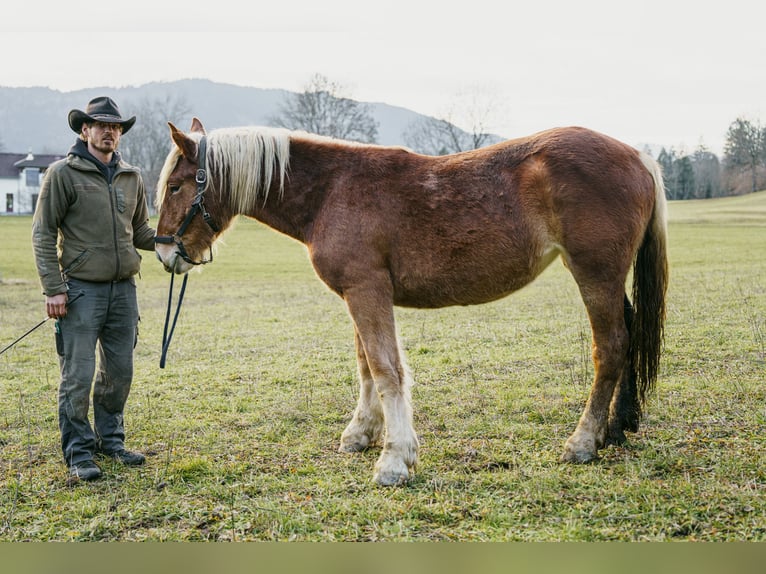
(87,228)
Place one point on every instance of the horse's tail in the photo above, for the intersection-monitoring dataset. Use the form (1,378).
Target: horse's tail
(650,282)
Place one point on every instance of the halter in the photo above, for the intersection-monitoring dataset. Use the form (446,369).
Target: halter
(197,206)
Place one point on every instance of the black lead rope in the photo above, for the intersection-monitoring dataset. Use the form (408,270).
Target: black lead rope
(166,337)
(40,324)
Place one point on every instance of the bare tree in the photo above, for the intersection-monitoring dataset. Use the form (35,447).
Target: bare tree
(148,143)
(745,150)
(707,173)
(440,136)
(324,108)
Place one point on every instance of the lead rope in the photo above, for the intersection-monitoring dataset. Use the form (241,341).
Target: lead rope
(40,324)
(166,337)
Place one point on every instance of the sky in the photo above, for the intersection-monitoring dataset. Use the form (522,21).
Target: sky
(674,73)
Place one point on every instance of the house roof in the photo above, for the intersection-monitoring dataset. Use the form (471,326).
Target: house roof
(12,163)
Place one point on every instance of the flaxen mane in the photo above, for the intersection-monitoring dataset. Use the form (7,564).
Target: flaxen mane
(252,156)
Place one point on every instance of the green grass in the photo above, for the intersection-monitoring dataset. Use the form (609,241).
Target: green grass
(243,424)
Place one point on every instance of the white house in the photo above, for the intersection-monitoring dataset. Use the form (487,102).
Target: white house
(20,178)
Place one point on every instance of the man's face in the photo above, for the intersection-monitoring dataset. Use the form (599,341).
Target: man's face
(102,136)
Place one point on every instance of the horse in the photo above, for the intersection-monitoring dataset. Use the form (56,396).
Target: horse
(385,226)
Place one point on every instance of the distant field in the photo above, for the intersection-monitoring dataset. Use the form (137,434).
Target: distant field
(740,210)
(243,424)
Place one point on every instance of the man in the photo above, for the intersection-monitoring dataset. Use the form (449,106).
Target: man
(91,216)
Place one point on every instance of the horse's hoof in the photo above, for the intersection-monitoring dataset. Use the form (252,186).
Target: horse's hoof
(351,442)
(353,447)
(391,478)
(355,439)
(578,457)
(391,471)
(616,437)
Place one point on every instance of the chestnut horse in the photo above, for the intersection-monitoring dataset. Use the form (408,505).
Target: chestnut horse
(385,226)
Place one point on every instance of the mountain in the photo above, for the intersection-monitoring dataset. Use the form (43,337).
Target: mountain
(36,118)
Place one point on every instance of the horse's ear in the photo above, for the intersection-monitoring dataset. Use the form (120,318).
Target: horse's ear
(186,144)
(197,126)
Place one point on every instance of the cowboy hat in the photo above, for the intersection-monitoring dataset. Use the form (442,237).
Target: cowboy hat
(101,109)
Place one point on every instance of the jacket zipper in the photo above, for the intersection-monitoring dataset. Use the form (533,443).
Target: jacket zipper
(112,202)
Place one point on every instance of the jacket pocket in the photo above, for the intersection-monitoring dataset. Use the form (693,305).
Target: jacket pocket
(120,200)
(77,262)
(87,187)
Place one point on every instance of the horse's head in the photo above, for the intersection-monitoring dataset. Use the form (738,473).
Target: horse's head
(191,216)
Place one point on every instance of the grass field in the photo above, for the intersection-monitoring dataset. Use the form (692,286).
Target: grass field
(243,424)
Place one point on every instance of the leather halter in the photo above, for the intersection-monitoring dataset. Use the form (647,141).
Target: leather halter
(197,206)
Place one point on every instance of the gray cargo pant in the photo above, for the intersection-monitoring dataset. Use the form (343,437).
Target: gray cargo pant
(103,318)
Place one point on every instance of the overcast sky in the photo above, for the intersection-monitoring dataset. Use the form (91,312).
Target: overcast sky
(669,72)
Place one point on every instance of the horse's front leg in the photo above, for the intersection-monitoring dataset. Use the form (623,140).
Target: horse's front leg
(366,426)
(373,316)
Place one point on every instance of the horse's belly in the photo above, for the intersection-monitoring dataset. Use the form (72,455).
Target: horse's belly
(468,281)
(419,290)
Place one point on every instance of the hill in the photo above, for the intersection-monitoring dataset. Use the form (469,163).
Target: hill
(35,118)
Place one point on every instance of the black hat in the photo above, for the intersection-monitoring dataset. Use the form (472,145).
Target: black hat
(101,109)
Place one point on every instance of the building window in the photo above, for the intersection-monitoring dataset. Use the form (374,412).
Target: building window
(9,203)
(33,176)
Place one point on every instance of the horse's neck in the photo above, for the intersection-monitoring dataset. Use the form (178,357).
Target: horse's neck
(318,168)
(315,169)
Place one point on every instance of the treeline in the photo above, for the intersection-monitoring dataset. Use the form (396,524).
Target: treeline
(703,175)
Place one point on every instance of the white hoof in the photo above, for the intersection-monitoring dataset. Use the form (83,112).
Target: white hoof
(393,469)
(392,476)
(579,451)
(354,440)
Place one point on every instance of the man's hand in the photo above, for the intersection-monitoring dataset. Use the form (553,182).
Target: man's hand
(55,305)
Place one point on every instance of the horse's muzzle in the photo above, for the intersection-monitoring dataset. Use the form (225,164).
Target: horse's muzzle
(170,259)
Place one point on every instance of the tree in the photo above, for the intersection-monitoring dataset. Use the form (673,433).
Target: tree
(435,136)
(441,136)
(323,108)
(667,160)
(685,186)
(694,176)
(707,173)
(148,143)
(745,151)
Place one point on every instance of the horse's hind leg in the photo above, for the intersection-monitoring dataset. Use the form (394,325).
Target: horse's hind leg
(604,302)
(625,410)
(366,426)
(373,316)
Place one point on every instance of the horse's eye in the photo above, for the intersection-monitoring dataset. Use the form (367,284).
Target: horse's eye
(174,188)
